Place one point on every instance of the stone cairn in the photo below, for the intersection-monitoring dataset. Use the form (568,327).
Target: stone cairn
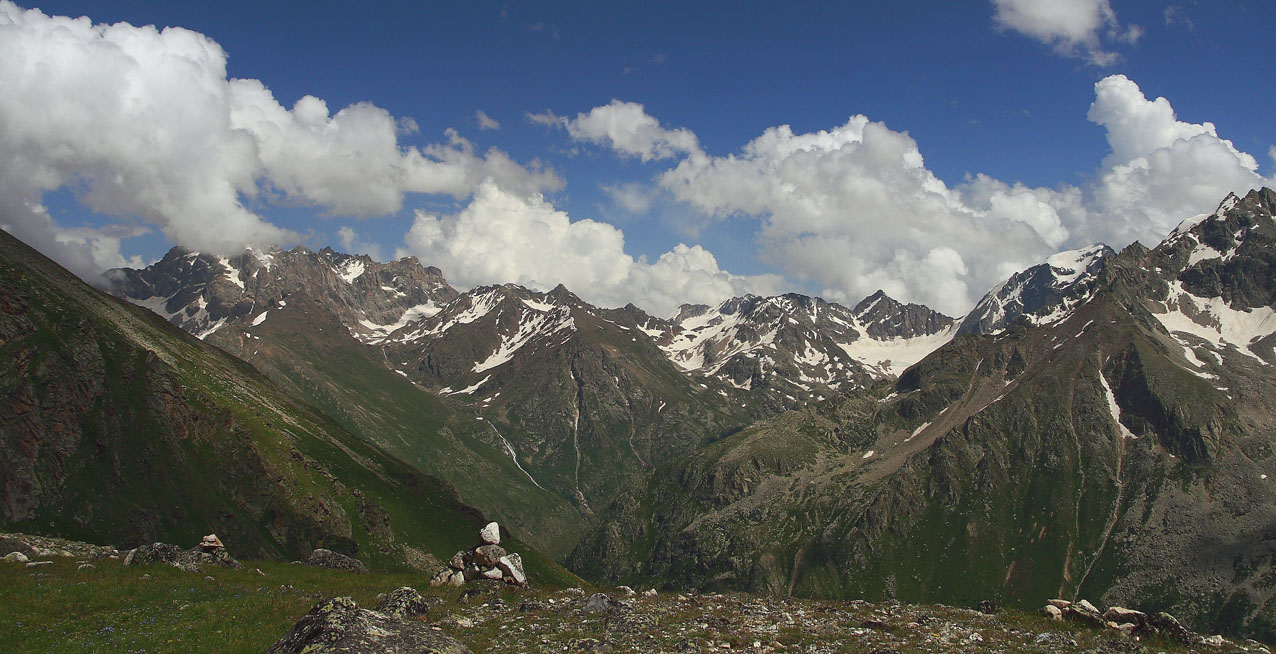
(487,561)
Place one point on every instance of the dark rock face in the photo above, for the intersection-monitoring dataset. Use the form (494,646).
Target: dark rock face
(885,317)
(322,558)
(339,625)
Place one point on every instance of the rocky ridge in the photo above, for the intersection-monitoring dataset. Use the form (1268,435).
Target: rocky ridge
(1052,288)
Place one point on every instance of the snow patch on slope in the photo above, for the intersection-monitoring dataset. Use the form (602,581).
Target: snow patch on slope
(1113,408)
(1212,320)
(894,356)
(530,327)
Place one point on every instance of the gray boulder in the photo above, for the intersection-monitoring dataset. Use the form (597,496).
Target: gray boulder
(403,602)
(512,566)
(486,556)
(339,625)
(15,557)
(599,603)
(322,558)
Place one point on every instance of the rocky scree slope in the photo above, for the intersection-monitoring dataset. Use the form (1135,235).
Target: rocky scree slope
(116,426)
(1122,451)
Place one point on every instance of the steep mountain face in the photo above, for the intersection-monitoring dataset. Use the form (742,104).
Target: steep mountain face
(797,347)
(117,427)
(1121,450)
(583,403)
(1045,293)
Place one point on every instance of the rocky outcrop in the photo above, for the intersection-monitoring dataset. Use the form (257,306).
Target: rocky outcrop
(487,561)
(192,560)
(403,602)
(339,625)
(322,558)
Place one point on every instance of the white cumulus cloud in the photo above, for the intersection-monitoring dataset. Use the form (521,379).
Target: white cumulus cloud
(503,236)
(854,208)
(1071,27)
(486,122)
(627,128)
(144,124)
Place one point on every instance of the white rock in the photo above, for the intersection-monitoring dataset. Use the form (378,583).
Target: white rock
(493,573)
(458,579)
(1053,612)
(15,557)
(1086,605)
(650,592)
(491,534)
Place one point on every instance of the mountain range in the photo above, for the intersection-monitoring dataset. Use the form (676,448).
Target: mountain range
(1099,424)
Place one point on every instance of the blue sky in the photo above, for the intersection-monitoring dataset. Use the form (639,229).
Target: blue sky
(982,153)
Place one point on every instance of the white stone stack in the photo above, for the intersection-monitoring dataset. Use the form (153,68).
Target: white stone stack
(487,561)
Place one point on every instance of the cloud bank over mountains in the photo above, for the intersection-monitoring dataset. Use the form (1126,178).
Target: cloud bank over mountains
(144,125)
(853,208)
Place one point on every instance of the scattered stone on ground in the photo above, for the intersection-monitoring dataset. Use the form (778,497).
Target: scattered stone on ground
(322,558)
(34,547)
(339,625)
(488,561)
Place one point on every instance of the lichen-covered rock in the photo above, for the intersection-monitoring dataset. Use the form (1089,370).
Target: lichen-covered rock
(322,558)
(458,560)
(15,557)
(443,577)
(188,560)
(599,603)
(403,602)
(1168,627)
(339,625)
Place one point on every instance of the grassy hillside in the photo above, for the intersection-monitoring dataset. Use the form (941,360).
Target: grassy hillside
(121,428)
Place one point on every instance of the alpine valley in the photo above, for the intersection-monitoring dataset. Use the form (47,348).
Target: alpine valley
(1100,425)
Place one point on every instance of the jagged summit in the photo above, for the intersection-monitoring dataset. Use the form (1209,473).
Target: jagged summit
(1049,290)
(203,293)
